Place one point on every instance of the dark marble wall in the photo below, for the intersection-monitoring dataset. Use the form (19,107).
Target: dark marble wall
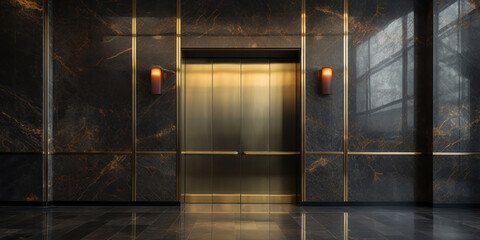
(241,24)
(156,39)
(456,179)
(324,178)
(324,113)
(387,178)
(92,75)
(381,76)
(21,177)
(156,177)
(21,96)
(456,118)
(92,94)
(92,177)
(21,74)
(456,86)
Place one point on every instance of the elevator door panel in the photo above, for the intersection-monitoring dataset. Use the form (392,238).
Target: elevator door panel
(198,125)
(255,105)
(226,131)
(240,131)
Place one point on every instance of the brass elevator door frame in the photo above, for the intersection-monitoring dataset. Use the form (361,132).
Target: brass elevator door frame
(240,122)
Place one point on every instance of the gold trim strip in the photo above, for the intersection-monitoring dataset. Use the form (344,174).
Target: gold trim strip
(178,70)
(324,153)
(387,153)
(455,153)
(88,153)
(238,194)
(19,153)
(155,152)
(134,99)
(303,104)
(270,153)
(345,100)
(210,153)
(46,78)
(345,226)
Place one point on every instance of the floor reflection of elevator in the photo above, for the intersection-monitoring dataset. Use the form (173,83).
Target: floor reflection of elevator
(240,142)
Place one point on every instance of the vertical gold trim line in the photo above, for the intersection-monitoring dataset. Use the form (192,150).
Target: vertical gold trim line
(46,76)
(345,101)
(134,99)
(302,82)
(178,70)
(345,225)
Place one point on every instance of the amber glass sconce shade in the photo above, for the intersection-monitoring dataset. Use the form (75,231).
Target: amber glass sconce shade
(325,76)
(156,80)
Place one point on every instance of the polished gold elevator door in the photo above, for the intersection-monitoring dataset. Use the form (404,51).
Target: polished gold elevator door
(240,131)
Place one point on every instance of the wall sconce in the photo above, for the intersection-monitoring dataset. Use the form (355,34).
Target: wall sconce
(326,80)
(156,80)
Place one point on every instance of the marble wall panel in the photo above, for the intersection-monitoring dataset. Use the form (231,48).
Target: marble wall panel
(21,177)
(21,74)
(156,42)
(324,113)
(92,177)
(456,179)
(387,178)
(381,76)
(92,75)
(324,178)
(156,177)
(456,119)
(241,24)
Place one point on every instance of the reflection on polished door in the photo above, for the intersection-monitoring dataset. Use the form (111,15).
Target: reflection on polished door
(240,131)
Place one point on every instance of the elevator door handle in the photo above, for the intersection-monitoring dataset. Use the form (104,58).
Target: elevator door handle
(210,153)
(269,153)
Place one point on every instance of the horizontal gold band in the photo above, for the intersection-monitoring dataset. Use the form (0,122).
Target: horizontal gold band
(455,153)
(270,153)
(210,153)
(86,153)
(156,152)
(387,153)
(237,194)
(325,153)
(255,153)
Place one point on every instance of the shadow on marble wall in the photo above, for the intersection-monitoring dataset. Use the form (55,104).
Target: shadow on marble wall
(21,177)
(324,113)
(92,177)
(241,24)
(324,178)
(21,74)
(156,177)
(92,75)
(156,42)
(381,76)
(456,119)
(387,178)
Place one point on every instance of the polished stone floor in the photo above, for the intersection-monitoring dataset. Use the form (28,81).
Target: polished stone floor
(224,222)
